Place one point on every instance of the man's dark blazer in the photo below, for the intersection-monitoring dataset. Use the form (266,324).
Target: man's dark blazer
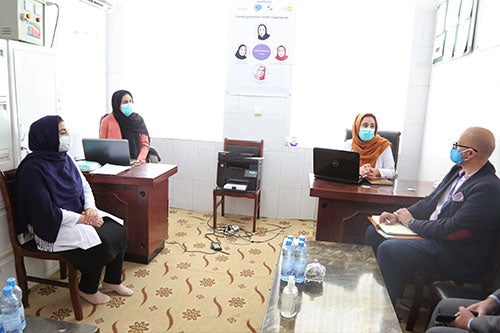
(467,228)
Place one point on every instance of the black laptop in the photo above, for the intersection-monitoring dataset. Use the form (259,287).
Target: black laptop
(112,151)
(336,165)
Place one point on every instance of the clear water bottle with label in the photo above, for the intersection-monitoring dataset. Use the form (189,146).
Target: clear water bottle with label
(11,322)
(16,290)
(300,262)
(287,258)
(289,304)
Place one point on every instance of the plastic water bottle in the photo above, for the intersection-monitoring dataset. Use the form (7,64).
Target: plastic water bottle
(289,299)
(287,258)
(300,262)
(11,322)
(16,290)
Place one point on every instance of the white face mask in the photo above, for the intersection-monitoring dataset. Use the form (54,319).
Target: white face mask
(64,143)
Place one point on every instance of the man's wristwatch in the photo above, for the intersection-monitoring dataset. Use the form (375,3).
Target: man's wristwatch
(411,222)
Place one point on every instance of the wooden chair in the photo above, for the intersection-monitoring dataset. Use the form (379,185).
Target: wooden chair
(236,145)
(29,250)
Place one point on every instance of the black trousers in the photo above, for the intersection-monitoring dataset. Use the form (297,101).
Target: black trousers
(108,254)
(448,306)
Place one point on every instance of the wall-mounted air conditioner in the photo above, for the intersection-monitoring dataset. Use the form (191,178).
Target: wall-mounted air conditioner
(102,4)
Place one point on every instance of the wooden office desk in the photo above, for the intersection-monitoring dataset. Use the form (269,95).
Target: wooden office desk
(352,298)
(140,197)
(343,208)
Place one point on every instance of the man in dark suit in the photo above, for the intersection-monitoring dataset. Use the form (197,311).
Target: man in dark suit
(459,221)
(486,318)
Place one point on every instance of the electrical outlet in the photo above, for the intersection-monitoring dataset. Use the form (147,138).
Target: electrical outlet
(257,111)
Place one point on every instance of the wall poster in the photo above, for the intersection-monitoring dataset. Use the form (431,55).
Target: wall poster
(261,48)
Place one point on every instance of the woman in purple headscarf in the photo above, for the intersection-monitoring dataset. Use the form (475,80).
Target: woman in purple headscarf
(55,203)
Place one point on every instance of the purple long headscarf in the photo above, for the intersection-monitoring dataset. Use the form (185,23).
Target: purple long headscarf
(46,181)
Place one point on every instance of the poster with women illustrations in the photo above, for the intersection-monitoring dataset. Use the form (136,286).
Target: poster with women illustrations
(261,44)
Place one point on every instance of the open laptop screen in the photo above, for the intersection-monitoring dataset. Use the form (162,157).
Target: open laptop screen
(336,165)
(113,151)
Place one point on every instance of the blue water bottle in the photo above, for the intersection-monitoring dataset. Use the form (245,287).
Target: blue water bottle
(300,262)
(16,290)
(11,322)
(287,258)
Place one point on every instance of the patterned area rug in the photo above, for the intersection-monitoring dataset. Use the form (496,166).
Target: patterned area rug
(188,287)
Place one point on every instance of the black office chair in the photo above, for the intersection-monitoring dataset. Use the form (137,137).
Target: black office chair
(440,290)
(392,136)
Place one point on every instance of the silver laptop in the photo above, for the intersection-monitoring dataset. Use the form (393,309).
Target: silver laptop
(113,151)
(336,165)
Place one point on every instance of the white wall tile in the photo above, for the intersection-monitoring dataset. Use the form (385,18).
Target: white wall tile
(289,202)
(269,201)
(425,21)
(421,62)
(292,169)
(203,195)
(182,193)
(408,169)
(271,168)
(308,205)
(416,105)
(205,161)
(184,158)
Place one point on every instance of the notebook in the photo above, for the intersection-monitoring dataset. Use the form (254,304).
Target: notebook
(113,151)
(336,165)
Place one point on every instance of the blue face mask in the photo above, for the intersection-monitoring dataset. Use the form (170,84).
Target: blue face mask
(366,134)
(64,143)
(456,156)
(127,109)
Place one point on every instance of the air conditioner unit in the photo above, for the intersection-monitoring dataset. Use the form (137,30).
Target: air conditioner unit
(101,4)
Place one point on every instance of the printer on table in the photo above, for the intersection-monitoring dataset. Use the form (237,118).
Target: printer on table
(239,171)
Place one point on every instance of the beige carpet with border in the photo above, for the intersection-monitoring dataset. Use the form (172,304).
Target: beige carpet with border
(188,287)
(197,290)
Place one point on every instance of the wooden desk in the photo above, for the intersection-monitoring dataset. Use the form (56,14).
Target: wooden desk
(343,208)
(352,298)
(140,197)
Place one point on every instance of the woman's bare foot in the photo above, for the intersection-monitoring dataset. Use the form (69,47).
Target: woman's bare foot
(97,298)
(119,288)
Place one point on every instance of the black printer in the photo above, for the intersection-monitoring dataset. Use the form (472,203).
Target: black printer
(239,171)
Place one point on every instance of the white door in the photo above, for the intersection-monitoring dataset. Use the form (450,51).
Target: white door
(33,90)
(6,161)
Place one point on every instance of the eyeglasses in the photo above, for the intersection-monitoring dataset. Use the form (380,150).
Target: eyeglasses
(456,144)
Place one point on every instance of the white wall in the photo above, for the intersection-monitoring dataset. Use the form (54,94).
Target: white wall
(463,93)
(80,78)
(285,171)
(285,184)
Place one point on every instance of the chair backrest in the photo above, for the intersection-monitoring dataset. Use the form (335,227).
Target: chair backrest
(7,191)
(250,148)
(392,136)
